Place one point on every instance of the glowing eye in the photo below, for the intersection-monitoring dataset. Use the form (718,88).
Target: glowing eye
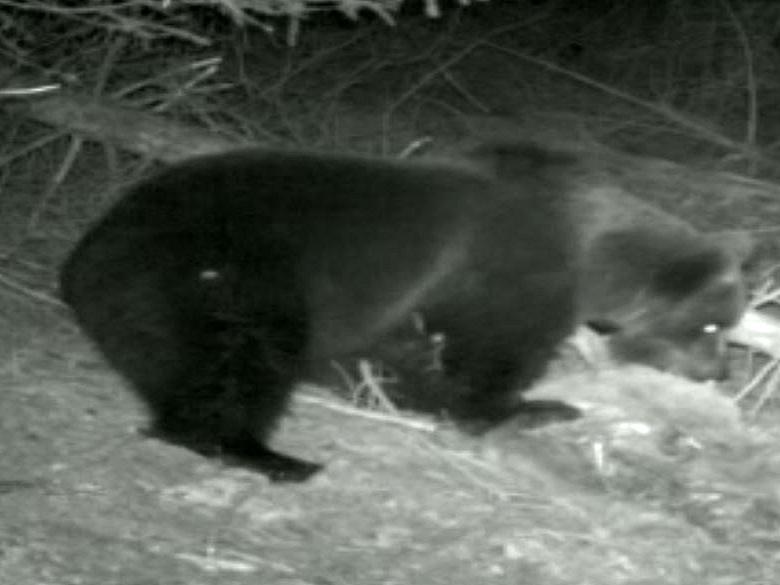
(209,274)
(710,328)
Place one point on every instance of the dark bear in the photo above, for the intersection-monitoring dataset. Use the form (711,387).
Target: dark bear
(213,285)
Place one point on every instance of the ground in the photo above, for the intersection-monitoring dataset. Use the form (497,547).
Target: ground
(84,499)
(642,496)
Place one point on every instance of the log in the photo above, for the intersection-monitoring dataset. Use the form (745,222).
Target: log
(145,134)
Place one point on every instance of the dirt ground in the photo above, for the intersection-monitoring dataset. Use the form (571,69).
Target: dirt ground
(86,498)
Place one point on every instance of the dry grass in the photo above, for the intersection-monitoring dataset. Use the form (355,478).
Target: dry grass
(153,20)
(663,483)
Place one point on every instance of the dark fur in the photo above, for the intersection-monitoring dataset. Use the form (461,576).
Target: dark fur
(212,285)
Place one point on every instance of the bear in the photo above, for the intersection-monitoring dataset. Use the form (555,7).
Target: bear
(214,284)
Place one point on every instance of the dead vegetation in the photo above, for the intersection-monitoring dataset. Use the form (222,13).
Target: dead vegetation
(665,481)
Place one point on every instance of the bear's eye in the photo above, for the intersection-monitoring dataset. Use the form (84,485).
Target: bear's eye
(711,329)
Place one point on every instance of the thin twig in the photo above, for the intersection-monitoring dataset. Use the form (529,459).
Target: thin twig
(440,70)
(659,109)
(25,291)
(76,142)
(768,390)
(32,146)
(750,79)
(374,386)
(762,374)
(399,420)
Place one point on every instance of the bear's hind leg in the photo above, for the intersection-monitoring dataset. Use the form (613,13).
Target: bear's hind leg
(246,364)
